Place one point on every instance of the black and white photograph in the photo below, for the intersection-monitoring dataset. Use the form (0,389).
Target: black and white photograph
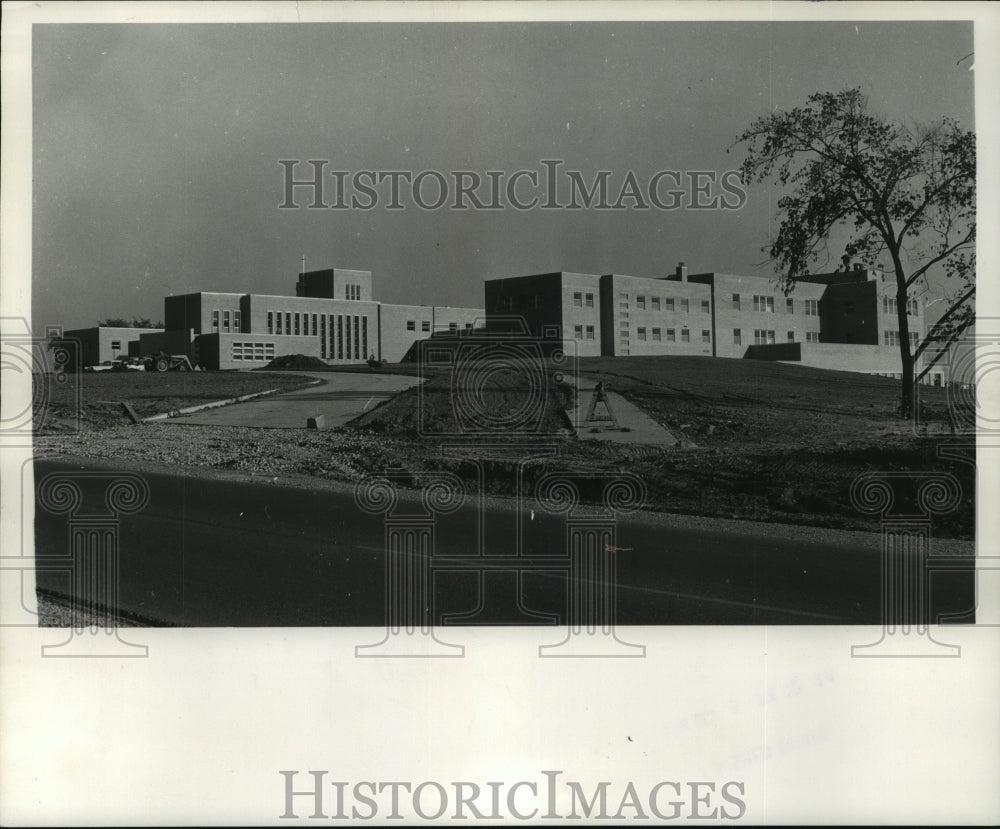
(491,412)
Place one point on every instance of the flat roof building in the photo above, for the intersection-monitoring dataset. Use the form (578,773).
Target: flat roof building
(845,320)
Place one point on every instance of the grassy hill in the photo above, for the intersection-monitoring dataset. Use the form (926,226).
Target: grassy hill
(761,440)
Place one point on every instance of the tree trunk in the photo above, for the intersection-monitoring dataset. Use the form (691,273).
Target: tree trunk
(908,390)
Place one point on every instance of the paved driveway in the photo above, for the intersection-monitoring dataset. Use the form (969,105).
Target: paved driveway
(338,398)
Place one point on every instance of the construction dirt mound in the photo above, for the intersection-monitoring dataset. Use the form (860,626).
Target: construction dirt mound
(296,361)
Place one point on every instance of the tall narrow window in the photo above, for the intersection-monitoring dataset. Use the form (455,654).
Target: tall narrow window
(270,322)
(225,320)
(322,336)
(364,337)
(340,336)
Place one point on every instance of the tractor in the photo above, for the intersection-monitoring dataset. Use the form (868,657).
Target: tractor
(161,361)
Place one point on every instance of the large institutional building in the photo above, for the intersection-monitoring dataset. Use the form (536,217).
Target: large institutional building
(846,320)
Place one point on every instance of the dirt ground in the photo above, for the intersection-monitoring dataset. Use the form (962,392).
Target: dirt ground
(93,400)
(762,441)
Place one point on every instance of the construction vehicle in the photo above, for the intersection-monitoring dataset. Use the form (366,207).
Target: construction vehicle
(161,361)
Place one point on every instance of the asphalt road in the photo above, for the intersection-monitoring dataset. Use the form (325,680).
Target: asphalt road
(210,552)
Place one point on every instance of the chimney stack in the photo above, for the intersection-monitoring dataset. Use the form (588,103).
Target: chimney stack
(682,272)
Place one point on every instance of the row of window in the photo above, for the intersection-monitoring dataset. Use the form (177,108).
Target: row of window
(890,305)
(763,336)
(352,292)
(350,338)
(579,300)
(230,320)
(281,323)
(253,352)
(656,334)
(892,338)
(425,326)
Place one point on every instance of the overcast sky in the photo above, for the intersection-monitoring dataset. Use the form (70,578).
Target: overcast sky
(157,147)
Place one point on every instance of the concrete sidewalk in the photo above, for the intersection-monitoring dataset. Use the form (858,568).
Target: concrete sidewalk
(634,425)
(339,398)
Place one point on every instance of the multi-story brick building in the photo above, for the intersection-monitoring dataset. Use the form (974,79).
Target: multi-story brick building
(845,320)
(333,317)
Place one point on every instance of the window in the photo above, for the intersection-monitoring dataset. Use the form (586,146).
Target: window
(623,315)
(656,335)
(468,326)
(812,308)
(453,327)
(656,303)
(763,337)
(737,337)
(623,305)
(736,302)
(347,334)
(298,326)
(590,300)
(279,322)
(791,336)
(215,319)
(670,335)
(790,305)
(340,336)
(913,340)
(314,325)
(578,332)
(891,337)
(236,321)
(590,332)
(357,337)
(252,352)
(685,335)
(288,322)
(889,305)
(322,336)
(706,335)
(411,325)
(623,335)
(669,302)
(623,296)
(425,325)
(578,300)
(812,336)
(764,304)
(270,322)
(116,345)
(641,333)
(913,310)
(623,324)
(685,307)
(641,302)
(705,306)
(225,320)
(364,337)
